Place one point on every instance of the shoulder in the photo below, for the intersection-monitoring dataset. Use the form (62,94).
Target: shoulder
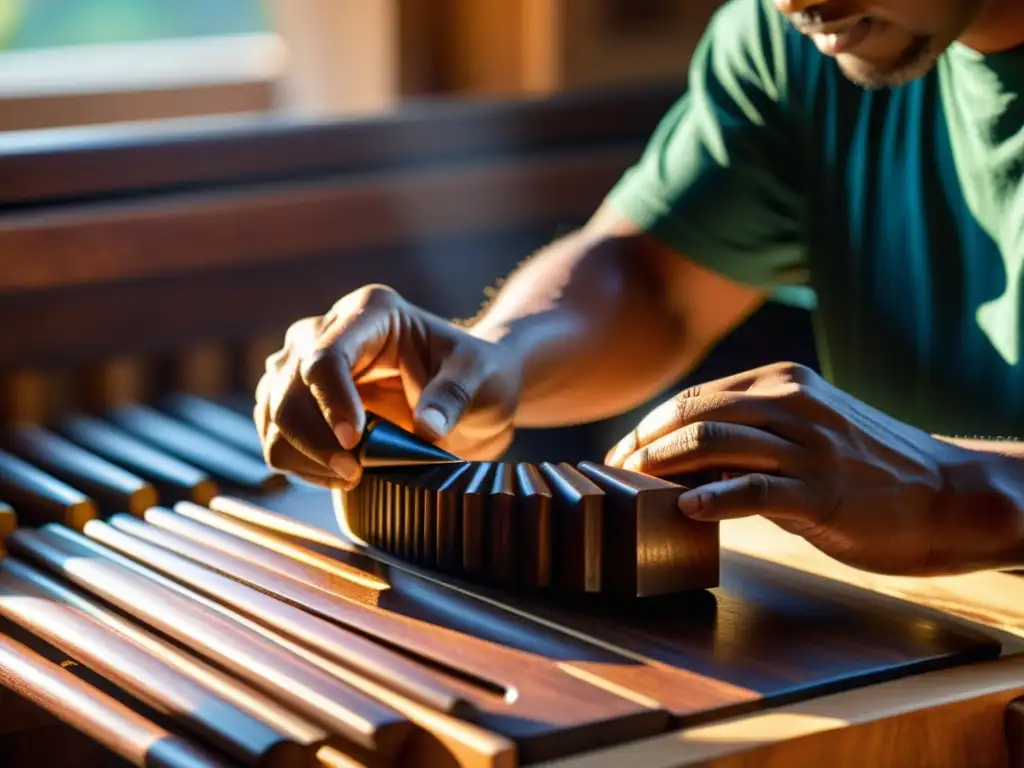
(750,46)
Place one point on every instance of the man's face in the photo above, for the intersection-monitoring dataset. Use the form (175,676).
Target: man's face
(879,43)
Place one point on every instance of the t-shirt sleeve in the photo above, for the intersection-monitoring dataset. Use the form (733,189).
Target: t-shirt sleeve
(719,179)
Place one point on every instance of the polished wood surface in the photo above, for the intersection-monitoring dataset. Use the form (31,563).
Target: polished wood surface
(26,598)
(346,713)
(115,726)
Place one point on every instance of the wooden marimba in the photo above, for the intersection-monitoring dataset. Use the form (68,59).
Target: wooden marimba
(166,599)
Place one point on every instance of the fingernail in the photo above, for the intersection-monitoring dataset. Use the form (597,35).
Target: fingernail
(347,435)
(346,466)
(434,420)
(690,504)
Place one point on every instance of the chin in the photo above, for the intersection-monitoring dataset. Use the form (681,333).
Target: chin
(916,62)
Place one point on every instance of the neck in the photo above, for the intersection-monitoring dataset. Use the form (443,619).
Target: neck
(998,27)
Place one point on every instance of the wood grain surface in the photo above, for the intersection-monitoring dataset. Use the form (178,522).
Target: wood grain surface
(26,599)
(345,712)
(115,726)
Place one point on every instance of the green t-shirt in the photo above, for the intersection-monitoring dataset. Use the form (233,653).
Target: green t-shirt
(898,214)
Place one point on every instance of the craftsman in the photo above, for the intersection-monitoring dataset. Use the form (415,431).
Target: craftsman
(863,157)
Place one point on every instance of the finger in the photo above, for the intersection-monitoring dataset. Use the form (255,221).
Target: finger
(781,498)
(449,393)
(743,408)
(716,445)
(281,454)
(329,370)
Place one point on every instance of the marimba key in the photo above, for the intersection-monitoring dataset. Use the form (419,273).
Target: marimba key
(125,664)
(650,547)
(188,443)
(502,546)
(427,486)
(255,591)
(112,487)
(448,547)
(8,524)
(41,498)
(533,526)
(577,512)
(173,478)
(216,419)
(101,717)
(182,615)
(198,524)
(474,529)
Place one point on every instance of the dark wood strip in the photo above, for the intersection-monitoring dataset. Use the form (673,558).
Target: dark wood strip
(345,712)
(218,420)
(244,540)
(474,528)
(41,498)
(187,443)
(166,552)
(533,523)
(577,515)
(112,487)
(83,707)
(197,232)
(290,727)
(242,149)
(650,548)
(8,524)
(26,600)
(174,479)
(502,545)
(449,517)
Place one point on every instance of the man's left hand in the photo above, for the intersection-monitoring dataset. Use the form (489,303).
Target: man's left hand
(859,485)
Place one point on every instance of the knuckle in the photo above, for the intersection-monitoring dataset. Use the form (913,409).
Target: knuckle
(795,373)
(701,436)
(372,296)
(321,363)
(275,449)
(454,392)
(301,332)
(756,489)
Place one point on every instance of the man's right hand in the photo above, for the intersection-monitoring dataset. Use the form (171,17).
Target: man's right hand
(373,351)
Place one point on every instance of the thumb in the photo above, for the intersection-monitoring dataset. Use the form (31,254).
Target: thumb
(449,393)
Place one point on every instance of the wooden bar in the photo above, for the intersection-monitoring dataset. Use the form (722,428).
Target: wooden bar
(502,545)
(533,525)
(650,548)
(112,487)
(174,479)
(83,707)
(346,713)
(210,718)
(217,420)
(474,527)
(189,444)
(240,539)
(577,512)
(41,498)
(215,574)
(291,728)
(497,656)
(8,524)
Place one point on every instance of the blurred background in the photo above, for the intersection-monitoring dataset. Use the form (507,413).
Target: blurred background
(67,62)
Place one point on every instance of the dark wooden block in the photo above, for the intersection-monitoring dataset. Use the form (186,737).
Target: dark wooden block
(577,515)
(533,525)
(174,479)
(112,487)
(651,548)
(502,544)
(474,533)
(41,498)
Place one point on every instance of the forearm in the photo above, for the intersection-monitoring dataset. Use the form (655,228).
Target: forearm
(592,328)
